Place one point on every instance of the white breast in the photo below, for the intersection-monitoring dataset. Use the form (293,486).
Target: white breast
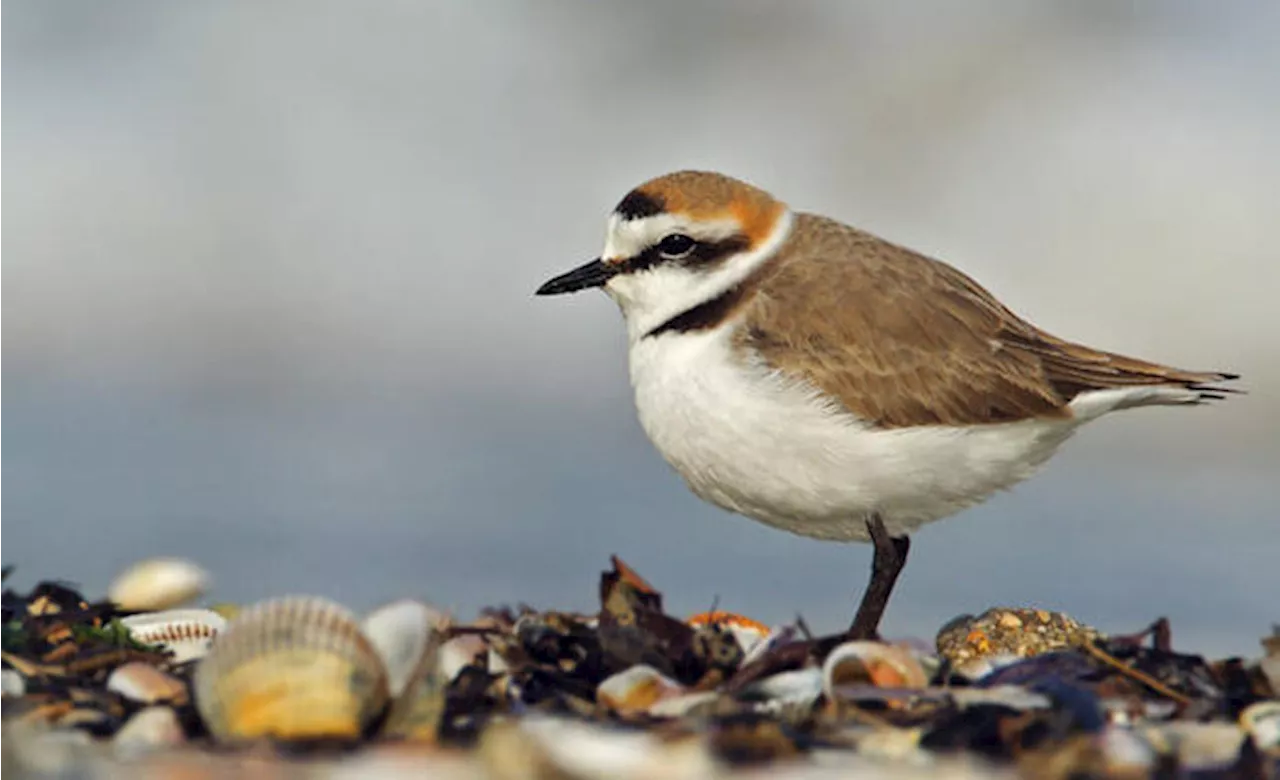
(756,443)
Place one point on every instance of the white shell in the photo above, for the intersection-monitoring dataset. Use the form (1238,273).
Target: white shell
(976,668)
(1198,745)
(1262,721)
(150,728)
(1012,696)
(187,633)
(798,686)
(158,583)
(1126,748)
(401,631)
(540,746)
(14,684)
(883,665)
(142,682)
(684,704)
(459,652)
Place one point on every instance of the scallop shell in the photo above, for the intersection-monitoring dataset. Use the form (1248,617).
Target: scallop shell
(401,632)
(870,663)
(294,668)
(158,583)
(187,633)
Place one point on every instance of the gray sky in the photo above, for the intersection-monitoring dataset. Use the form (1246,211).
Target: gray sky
(268,272)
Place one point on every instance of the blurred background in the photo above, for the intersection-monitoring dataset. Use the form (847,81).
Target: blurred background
(268,275)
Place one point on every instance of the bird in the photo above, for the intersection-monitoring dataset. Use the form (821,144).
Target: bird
(828,382)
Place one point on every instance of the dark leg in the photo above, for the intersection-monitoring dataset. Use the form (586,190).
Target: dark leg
(890,557)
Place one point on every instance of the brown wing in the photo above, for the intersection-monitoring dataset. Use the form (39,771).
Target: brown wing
(902,340)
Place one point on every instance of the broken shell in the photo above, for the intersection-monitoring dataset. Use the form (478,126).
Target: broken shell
(142,682)
(293,668)
(748,632)
(158,583)
(870,663)
(695,704)
(975,669)
(637,689)
(416,713)
(798,686)
(1262,721)
(148,729)
(187,633)
(459,652)
(401,631)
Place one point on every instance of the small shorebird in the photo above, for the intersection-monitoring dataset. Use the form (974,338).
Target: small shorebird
(824,381)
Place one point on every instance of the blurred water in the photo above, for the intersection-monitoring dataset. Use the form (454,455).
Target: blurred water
(269,271)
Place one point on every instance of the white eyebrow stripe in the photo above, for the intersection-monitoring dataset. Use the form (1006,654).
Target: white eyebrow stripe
(627,238)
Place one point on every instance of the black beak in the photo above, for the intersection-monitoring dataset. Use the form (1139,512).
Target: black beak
(593,274)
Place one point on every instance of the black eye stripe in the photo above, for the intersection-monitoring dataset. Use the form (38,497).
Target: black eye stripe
(704,253)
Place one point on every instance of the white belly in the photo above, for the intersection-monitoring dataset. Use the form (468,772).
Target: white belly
(756,443)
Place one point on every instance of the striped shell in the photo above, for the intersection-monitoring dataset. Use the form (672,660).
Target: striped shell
(187,633)
(294,668)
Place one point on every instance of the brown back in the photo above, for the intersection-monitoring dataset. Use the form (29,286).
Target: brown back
(903,340)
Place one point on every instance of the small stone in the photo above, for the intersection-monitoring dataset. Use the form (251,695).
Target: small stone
(1010,620)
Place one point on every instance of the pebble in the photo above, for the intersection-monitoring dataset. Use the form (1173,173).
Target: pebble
(1010,631)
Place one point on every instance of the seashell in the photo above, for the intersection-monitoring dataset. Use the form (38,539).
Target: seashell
(873,663)
(416,713)
(1262,721)
(636,689)
(460,651)
(143,683)
(786,694)
(401,631)
(776,637)
(14,683)
(1198,745)
(695,704)
(748,632)
(293,668)
(157,583)
(1125,748)
(545,747)
(149,728)
(1011,696)
(187,633)
(975,669)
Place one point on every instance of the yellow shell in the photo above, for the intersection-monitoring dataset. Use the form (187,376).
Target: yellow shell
(295,668)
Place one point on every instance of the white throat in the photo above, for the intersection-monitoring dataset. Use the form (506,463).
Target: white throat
(653,296)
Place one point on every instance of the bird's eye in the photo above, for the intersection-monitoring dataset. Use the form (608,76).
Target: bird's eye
(676,245)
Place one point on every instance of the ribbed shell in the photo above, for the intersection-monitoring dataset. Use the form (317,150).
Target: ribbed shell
(187,633)
(294,668)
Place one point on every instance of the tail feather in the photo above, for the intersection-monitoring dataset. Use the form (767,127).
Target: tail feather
(1095,382)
